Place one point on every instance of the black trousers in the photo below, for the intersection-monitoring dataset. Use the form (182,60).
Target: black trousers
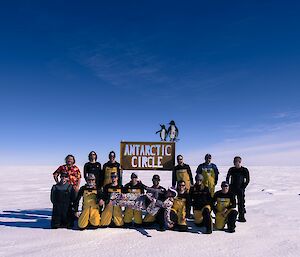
(240,195)
(231,219)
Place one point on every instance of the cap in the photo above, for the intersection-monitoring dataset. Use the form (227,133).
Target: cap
(207,156)
(133,175)
(91,176)
(155,177)
(64,175)
(198,177)
(224,183)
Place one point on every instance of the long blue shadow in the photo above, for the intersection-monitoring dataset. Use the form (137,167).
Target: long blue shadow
(39,218)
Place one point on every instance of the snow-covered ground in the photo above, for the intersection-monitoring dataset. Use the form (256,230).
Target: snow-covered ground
(272,228)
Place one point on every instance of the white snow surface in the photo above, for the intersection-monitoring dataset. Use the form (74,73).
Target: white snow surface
(272,227)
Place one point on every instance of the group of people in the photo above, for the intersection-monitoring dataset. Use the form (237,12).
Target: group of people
(107,203)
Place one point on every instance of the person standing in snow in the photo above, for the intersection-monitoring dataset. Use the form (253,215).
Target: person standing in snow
(210,174)
(72,170)
(93,167)
(62,198)
(112,166)
(238,178)
(182,172)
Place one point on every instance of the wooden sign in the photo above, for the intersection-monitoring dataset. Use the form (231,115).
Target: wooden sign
(147,155)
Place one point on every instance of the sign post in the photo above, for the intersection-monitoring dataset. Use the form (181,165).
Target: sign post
(147,155)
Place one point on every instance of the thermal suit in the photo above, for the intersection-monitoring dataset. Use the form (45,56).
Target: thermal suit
(179,209)
(201,202)
(182,172)
(129,213)
(222,201)
(62,197)
(150,219)
(210,175)
(90,214)
(238,180)
(112,215)
(108,169)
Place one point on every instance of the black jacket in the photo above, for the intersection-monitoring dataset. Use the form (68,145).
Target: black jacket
(238,178)
(139,188)
(109,189)
(93,168)
(219,196)
(200,197)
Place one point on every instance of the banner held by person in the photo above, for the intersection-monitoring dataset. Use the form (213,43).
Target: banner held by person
(147,155)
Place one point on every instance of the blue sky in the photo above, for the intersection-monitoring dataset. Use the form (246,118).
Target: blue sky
(82,76)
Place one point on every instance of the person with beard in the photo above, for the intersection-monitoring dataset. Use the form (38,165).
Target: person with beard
(201,202)
(72,170)
(112,215)
(160,191)
(182,172)
(90,214)
(210,173)
(224,207)
(112,166)
(181,207)
(133,187)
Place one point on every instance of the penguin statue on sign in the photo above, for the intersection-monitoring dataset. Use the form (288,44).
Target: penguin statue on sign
(173,131)
(162,132)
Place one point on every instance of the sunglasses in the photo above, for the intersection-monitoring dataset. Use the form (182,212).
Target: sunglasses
(114,176)
(181,185)
(224,186)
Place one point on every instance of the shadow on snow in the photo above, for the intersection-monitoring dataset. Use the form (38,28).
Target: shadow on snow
(40,218)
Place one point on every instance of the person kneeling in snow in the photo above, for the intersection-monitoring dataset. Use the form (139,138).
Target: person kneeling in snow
(224,207)
(62,197)
(135,187)
(112,215)
(90,208)
(181,206)
(165,217)
(160,194)
(201,201)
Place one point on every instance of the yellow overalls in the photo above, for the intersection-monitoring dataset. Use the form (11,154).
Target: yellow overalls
(133,214)
(221,220)
(112,213)
(182,174)
(90,213)
(179,207)
(209,179)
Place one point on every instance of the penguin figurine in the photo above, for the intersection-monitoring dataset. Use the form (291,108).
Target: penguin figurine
(173,131)
(163,133)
